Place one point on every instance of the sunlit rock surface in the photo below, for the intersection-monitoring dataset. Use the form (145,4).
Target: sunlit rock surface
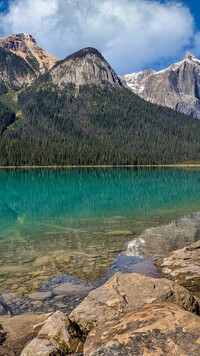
(122,292)
(183,267)
(177,87)
(155,329)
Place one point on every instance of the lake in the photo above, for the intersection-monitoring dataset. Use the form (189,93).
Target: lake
(79,221)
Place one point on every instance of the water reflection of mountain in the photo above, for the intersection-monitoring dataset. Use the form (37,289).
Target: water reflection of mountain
(8,216)
(92,192)
(163,239)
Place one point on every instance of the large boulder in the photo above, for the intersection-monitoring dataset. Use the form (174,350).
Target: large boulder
(183,266)
(17,330)
(57,336)
(155,329)
(122,292)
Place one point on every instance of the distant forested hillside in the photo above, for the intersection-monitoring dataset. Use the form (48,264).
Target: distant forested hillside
(92,126)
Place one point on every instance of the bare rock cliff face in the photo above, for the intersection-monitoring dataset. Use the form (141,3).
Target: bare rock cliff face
(177,87)
(86,66)
(25,46)
(15,73)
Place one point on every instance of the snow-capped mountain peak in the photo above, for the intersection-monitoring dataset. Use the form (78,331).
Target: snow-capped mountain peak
(177,86)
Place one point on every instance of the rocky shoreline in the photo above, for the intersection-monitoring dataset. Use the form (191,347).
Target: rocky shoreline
(130,314)
(65,292)
(183,267)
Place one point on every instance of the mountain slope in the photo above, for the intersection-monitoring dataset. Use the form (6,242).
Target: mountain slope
(79,114)
(177,87)
(15,72)
(65,123)
(24,45)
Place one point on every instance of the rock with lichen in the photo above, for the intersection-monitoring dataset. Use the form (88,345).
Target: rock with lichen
(183,266)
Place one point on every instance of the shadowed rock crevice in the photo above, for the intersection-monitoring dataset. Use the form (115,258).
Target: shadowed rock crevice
(2,335)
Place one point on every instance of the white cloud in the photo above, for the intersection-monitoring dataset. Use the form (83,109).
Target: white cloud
(131,34)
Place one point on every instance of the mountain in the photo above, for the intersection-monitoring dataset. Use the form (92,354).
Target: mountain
(86,66)
(15,72)
(21,62)
(79,113)
(24,45)
(177,87)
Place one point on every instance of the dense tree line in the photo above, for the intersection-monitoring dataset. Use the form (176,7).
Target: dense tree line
(7,117)
(96,125)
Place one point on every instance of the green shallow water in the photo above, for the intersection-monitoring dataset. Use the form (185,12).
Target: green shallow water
(76,221)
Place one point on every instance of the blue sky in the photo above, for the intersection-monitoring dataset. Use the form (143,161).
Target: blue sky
(194,6)
(131,34)
(4,5)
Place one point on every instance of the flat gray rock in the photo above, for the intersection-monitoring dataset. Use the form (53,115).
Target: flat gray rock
(69,288)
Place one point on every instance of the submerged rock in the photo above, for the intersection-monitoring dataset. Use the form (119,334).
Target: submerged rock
(123,292)
(40,296)
(3,310)
(183,266)
(155,329)
(69,288)
(57,336)
(161,240)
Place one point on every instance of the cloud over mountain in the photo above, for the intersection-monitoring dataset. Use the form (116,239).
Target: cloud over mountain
(131,34)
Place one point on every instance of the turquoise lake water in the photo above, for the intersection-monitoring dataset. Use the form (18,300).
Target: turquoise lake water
(77,221)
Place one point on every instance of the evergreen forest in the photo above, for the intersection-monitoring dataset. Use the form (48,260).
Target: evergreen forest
(95,125)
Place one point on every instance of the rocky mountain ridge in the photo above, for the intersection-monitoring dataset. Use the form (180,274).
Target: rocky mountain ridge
(79,113)
(177,87)
(15,72)
(25,46)
(22,61)
(86,66)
